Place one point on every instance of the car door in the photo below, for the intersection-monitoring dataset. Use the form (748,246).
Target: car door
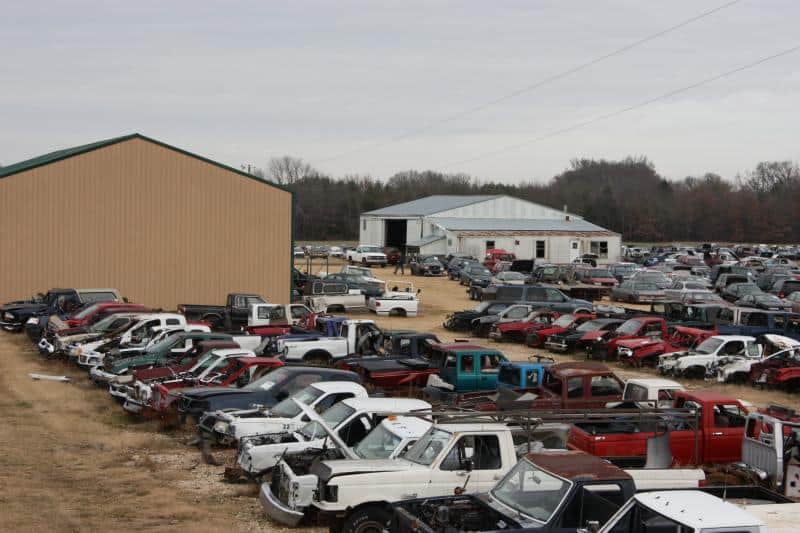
(454,469)
(488,366)
(467,372)
(723,433)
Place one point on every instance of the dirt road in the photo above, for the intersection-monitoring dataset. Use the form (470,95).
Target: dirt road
(71,460)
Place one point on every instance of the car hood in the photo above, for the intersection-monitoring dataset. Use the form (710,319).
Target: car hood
(200,393)
(592,335)
(23,308)
(633,344)
(325,470)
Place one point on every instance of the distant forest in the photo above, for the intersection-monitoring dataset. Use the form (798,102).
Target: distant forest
(628,196)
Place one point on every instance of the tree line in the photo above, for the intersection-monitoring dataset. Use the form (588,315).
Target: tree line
(626,196)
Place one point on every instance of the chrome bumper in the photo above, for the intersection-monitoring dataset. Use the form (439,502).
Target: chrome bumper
(275,509)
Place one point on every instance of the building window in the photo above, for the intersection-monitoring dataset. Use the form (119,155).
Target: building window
(489,245)
(364,224)
(449,242)
(599,248)
(540,250)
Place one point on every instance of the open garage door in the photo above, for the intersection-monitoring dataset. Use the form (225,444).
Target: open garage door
(396,233)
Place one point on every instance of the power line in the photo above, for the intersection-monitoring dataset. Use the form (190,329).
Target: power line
(531,87)
(633,107)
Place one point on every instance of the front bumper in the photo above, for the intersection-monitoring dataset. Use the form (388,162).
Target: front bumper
(10,325)
(100,376)
(276,509)
(560,346)
(132,406)
(45,346)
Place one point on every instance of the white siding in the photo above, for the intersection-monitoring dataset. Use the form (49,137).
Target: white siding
(557,247)
(414,230)
(504,207)
(371,231)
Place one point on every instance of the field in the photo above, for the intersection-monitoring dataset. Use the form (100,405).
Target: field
(73,461)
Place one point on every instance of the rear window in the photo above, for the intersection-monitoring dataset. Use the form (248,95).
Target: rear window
(509,293)
(89,297)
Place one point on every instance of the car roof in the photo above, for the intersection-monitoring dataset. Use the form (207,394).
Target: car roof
(726,338)
(387,405)
(579,368)
(463,427)
(338,386)
(577,465)
(459,346)
(407,427)
(231,352)
(655,382)
(696,509)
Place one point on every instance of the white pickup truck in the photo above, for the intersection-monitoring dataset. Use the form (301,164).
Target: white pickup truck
(228,427)
(398,299)
(264,314)
(333,296)
(702,360)
(351,419)
(290,491)
(367,255)
(648,392)
(356,337)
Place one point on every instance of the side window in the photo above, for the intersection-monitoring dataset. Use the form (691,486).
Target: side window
(729,416)
(780,322)
(298,311)
(531,378)
(355,430)
(575,387)
(518,312)
(330,400)
(653,327)
(605,386)
(490,363)
(496,308)
(554,295)
(509,376)
(794,324)
(467,364)
(345,330)
(482,450)
(173,322)
(734,348)
(633,392)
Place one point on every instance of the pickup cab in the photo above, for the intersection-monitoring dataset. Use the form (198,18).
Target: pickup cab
(572,339)
(603,344)
(291,489)
(702,361)
(351,419)
(577,385)
(395,301)
(355,337)
(778,369)
(262,315)
(648,392)
(517,330)
(563,324)
(523,375)
(329,297)
(716,438)
(367,255)
(495,255)
(31,314)
(549,490)
(463,367)
(481,326)
(228,426)
(233,315)
(356,495)
(755,322)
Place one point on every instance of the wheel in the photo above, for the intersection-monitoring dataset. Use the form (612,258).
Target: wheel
(694,372)
(318,359)
(370,519)
(214,321)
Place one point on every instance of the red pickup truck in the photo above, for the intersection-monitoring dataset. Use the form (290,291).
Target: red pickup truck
(517,331)
(716,439)
(537,338)
(645,350)
(573,385)
(603,344)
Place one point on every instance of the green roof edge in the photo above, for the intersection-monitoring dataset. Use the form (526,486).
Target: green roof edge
(66,153)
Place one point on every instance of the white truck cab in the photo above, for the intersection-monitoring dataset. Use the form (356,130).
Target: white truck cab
(290,491)
(264,314)
(648,392)
(702,360)
(398,299)
(685,511)
(356,336)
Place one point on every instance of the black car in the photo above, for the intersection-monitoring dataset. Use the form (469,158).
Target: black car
(456,264)
(356,281)
(14,315)
(475,275)
(764,300)
(462,320)
(266,391)
(426,265)
(736,291)
(569,340)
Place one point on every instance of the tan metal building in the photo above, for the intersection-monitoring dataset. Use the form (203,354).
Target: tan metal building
(160,224)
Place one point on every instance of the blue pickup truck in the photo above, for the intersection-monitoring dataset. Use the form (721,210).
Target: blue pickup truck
(522,375)
(756,322)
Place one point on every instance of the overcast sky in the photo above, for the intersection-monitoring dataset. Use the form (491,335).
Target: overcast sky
(337,83)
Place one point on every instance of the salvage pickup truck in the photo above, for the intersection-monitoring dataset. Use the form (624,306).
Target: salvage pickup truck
(15,315)
(649,349)
(330,297)
(367,255)
(355,337)
(233,315)
(717,438)
(262,315)
(550,490)
(702,361)
(603,344)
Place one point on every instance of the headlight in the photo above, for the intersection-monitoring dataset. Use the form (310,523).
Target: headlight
(221,427)
(33,320)
(624,352)
(8,316)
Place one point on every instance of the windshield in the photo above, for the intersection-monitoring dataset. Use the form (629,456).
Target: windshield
(709,345)
(265,382)
(430,259)
(651,276)
(104,324)
(333,417)
(591,325)
(481,307)
(645,287)
(564,321)
(428,448)
(371,249)
(512,276)
(629,327)
(531,491)
(378,444)
(748,288)
(86,311)
(165,344)
(289,409)
(479,270)
(600,273)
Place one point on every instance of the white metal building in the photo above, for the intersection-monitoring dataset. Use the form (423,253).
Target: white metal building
(472,224)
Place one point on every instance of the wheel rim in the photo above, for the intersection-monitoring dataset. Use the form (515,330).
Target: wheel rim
(369,526)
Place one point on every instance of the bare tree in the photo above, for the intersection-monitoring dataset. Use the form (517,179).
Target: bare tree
(287,170)
(772,176)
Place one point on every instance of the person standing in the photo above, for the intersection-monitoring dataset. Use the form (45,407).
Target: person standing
(401,263)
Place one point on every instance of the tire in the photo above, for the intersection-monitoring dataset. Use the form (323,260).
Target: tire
(214,321)
(370,519)
(694,372)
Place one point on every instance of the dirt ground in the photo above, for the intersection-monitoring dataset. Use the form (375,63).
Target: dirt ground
(72,460)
